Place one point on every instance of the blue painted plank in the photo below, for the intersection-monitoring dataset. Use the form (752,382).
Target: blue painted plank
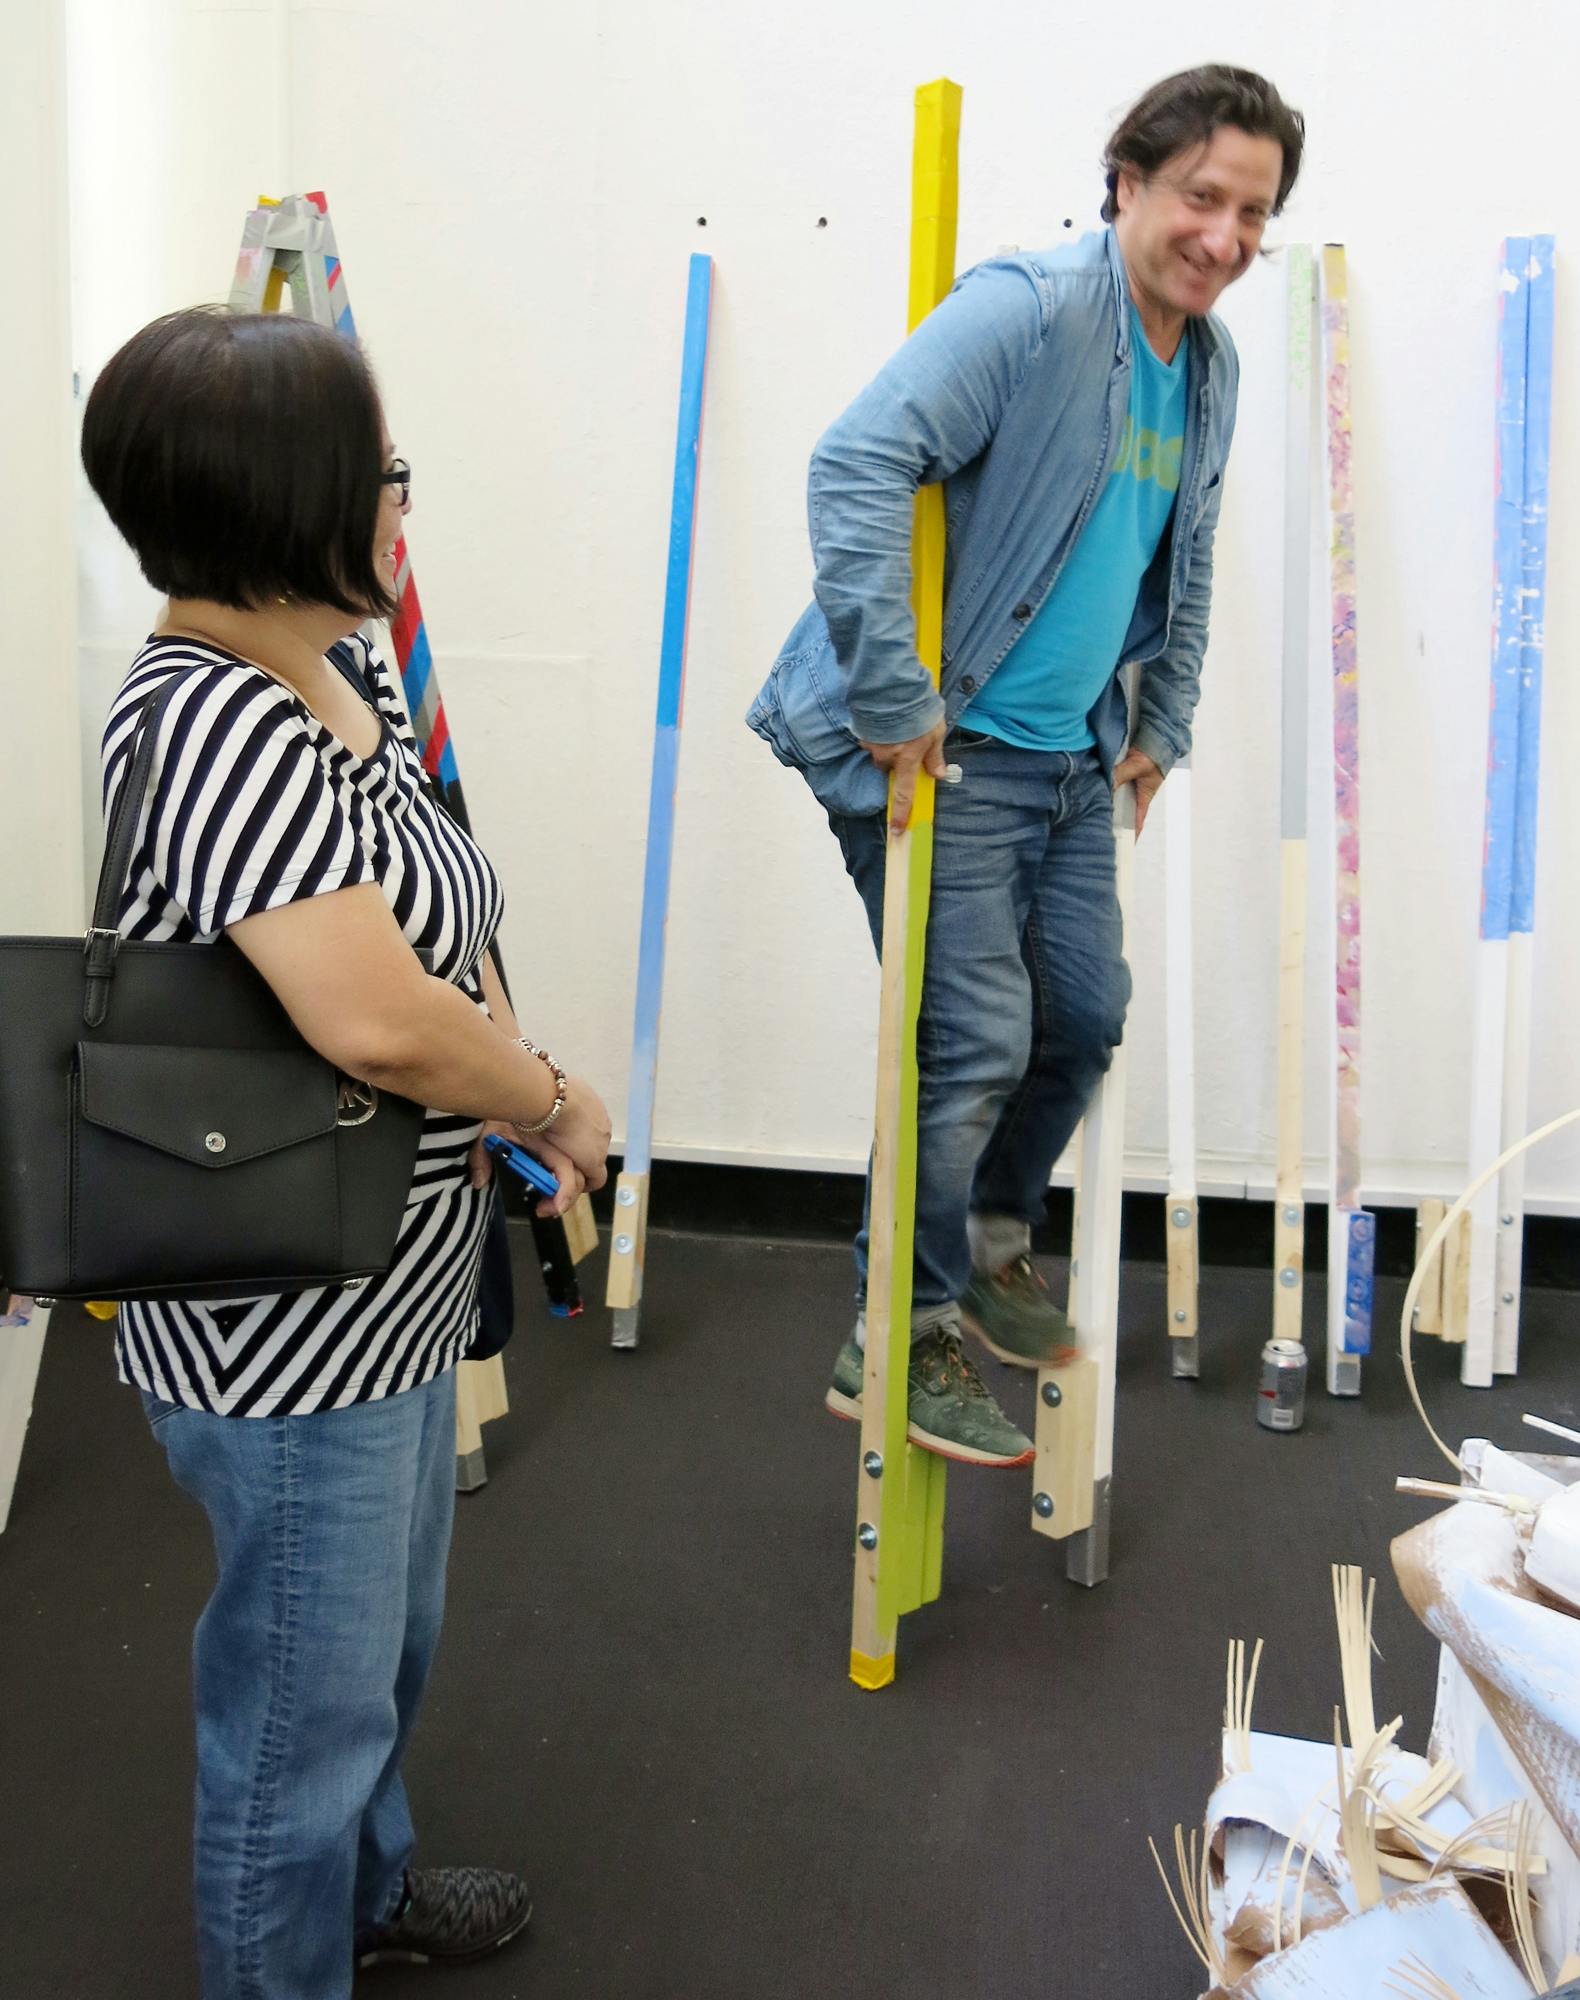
(1360,1278)
(638,1157)
(1533,589)
(1503,725)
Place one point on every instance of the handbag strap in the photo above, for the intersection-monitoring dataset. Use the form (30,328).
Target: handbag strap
(102,939)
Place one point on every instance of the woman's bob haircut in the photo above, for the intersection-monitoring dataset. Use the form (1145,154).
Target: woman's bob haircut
(239,454)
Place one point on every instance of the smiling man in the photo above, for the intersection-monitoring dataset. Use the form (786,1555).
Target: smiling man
(1079,405)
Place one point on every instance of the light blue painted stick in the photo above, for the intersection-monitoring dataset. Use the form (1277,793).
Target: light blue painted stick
(1501,1067)
(1503,727)
(1538,372)
(627,1252)
(1533,578)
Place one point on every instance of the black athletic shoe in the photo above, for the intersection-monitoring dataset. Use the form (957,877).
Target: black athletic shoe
(449,1915)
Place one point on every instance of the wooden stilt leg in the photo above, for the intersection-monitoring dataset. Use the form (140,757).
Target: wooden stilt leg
(900,1490)
(1429,1306)
(471,1469)
(22,1325)
(1075,1426)
(1180,1229)
(1289,1208)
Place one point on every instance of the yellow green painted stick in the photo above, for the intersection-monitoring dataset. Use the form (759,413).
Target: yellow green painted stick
(900,1492)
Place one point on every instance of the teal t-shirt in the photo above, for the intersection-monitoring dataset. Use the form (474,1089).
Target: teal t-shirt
(1042,693)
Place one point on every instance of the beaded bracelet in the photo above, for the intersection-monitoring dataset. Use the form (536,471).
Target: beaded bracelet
(558,1105)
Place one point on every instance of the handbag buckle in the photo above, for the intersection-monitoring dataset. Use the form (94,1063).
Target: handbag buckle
(358,1101)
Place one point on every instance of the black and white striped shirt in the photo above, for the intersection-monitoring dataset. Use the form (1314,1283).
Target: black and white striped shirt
(253,804)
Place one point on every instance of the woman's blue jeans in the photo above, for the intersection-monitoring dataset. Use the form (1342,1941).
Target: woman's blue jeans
(1024,992)
(332,1533)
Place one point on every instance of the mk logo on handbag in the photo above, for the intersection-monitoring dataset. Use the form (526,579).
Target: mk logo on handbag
(358,1102)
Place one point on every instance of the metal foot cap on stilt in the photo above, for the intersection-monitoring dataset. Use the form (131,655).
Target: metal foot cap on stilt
(1344,1375)
(625,1325)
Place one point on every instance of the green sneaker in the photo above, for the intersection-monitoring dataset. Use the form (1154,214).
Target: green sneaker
(844,1392)
(952,1411)
(1012,1315)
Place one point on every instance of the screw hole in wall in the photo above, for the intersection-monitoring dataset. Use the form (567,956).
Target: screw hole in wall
(702,222)
(1066,222)
(822,222)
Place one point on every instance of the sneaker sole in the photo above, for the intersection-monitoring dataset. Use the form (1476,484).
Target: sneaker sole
(398,1955)
(848,1408)
(1060,1358)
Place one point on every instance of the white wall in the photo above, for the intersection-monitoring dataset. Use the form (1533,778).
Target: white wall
(516,191)
(40,810)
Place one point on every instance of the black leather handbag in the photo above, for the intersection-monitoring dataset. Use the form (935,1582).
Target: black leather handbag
(165,1132)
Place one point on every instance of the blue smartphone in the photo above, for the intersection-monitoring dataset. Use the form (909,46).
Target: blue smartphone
(521,1163)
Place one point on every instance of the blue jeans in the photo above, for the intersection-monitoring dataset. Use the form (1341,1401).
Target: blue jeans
(1024,993)
(309,1662)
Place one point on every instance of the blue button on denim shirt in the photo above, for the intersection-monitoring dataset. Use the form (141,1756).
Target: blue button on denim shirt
(1013,392)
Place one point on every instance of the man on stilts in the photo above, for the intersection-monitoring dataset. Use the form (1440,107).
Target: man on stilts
(1078,404)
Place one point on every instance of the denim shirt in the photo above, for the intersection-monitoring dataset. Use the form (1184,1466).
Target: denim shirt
(1013,392)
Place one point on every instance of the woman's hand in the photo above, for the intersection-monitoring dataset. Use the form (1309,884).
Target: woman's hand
(573,1182)
(580,1134)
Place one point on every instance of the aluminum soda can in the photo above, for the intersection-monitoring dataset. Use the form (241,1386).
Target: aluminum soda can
(1281,1401)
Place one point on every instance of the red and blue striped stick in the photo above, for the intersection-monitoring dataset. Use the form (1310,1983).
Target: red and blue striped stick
(413,655)
(293,241)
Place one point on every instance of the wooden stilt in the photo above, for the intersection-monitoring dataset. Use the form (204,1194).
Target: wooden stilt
(1456,1282)
(291,245)
(1501,1072)
(581,1232)
(1429,1306)
(1352,1233)
(22,1324)
(1289,1215)
(1073,1473)
(1180,1226)
(1097,1249)
(900,1490)
(628,1244)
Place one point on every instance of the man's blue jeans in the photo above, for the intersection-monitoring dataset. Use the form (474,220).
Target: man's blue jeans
(1024,994)
(310,1658)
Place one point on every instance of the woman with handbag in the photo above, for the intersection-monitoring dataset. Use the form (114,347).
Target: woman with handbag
(245,459)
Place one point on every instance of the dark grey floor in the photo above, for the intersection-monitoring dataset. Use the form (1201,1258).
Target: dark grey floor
(642,1695)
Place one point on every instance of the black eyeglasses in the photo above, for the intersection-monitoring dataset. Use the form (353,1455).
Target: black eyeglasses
(399,475)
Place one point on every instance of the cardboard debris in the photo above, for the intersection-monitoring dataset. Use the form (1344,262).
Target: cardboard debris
(1367,1958)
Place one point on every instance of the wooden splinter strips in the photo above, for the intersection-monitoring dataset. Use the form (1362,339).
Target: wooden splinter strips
(1437,1489)
(1239,1700)
(1414,1979)
(1556,1430)
(1438,1236)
